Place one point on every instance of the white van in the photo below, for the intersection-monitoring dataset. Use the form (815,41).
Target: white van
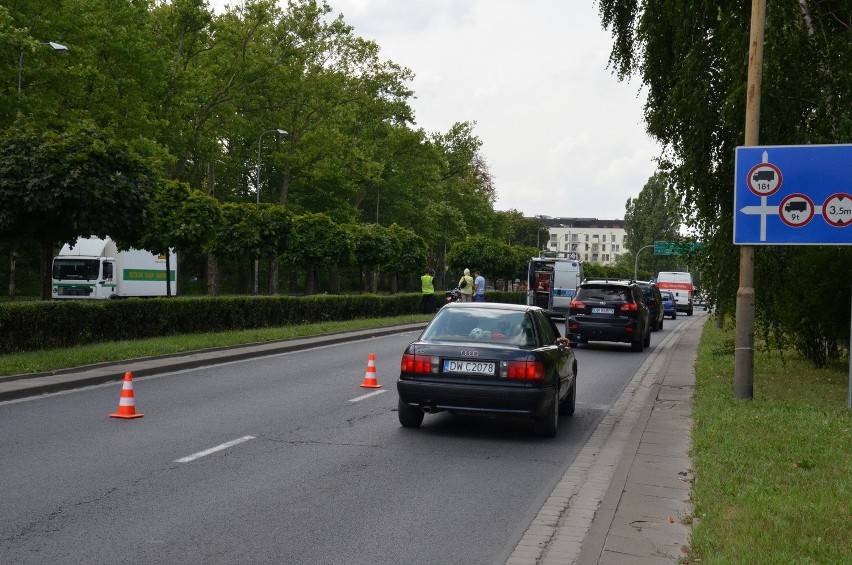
(552,282)
(680,283)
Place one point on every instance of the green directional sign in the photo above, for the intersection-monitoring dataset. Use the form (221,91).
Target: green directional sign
(675,247)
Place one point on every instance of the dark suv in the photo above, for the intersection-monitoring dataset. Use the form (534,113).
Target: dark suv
(654,302)
(609,311)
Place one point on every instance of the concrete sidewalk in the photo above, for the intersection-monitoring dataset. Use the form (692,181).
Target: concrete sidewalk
(625,499)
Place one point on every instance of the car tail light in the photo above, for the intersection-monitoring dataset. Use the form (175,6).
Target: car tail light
(577,304)
(416,363)
(629,306)
(526,370)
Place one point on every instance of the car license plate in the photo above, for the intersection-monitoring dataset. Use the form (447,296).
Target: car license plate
(469,367)
(603,310)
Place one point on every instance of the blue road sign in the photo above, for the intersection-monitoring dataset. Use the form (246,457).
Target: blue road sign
(793,195)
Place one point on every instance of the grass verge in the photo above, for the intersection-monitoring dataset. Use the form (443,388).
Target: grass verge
(773,475)
(49,360)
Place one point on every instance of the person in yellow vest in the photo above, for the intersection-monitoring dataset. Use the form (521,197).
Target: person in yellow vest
(466,286)
(427,301)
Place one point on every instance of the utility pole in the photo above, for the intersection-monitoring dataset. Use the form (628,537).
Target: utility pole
(744,345)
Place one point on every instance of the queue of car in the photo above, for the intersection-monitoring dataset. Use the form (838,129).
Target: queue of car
(510,360)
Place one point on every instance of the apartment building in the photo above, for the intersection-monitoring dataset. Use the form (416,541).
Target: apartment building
(593,240)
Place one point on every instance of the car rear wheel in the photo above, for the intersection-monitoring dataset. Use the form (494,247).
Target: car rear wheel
(661,323)
(409,416)
(566,407)
(637,345)
(647,342)
(546,425)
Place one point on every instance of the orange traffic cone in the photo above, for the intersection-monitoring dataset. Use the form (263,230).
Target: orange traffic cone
(126,404)
(370,378)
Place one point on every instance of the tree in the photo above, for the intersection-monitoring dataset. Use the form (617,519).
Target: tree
(412,254)
(692,58)
(652,216)
(178,218)
(524,231)
(492,258)
(319,243)
(373,248)
(56,187)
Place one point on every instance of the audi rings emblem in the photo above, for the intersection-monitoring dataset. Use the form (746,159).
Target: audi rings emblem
(466,353)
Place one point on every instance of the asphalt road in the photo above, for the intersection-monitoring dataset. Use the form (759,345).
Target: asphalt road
(315,469)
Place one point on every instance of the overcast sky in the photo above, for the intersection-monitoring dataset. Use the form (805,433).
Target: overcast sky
(561,135)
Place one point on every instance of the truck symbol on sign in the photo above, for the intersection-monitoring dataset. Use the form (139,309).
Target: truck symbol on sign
(796,206)
(765,174)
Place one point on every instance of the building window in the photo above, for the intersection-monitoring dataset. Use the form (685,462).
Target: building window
(604,237)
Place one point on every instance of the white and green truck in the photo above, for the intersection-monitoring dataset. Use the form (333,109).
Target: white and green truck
(93,268)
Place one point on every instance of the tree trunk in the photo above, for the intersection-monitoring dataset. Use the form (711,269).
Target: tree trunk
(294,281)
(168,274)
(213,287)
(46,278)
(334,280)
(374,282)
(13,260)
(273,276)
(309,281)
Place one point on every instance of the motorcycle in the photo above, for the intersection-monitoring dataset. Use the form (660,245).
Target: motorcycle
(453,295)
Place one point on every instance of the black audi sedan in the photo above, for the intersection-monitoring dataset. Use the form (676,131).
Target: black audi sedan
(490,358)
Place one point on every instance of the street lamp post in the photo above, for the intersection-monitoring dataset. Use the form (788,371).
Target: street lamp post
(257,190)
(538,235)
(59,48)
(636,263)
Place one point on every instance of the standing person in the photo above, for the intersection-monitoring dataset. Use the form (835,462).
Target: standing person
(479,287)
(466,286)
(427,301)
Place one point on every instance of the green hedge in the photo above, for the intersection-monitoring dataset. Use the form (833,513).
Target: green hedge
(29,326)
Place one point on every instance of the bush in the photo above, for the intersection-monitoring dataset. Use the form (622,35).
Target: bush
(29,326)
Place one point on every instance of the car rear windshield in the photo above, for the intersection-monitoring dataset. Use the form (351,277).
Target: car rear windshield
(603,293)
(481,324)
